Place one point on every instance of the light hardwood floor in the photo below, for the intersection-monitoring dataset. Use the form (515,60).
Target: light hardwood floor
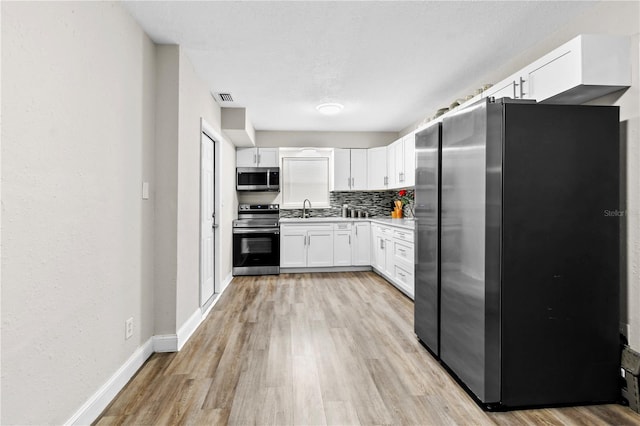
(314,349)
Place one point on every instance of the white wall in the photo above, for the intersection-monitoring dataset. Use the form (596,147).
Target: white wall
(77,136)
(324,139)
(608,17)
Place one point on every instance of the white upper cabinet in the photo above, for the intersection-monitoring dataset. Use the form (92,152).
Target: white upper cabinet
(401,162)
(398,154)
(341,169)
(392,175)
(257,157)
(377,168)
(584,68)
(409,176)
(349,169)
(359,169)
(504,89)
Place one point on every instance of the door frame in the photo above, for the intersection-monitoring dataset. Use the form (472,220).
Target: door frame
(216,137)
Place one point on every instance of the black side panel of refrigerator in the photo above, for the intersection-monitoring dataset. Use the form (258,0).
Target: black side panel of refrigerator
(427,211)
(560,256)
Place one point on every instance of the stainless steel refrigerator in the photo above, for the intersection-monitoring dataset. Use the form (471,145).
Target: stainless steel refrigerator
(427,213)
(529,261)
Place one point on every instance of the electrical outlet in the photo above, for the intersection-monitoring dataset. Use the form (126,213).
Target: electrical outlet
(128,328)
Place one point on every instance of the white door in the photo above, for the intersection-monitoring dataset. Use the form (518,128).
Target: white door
(207,219)
(409,159)
(392,173)
(379,254)
(320,248)
(361,244)
(341,169)
(389,263)
(359,169)
(377,168)
(293,247)
(398,152)
(268,157)
(246,157)
(342,248)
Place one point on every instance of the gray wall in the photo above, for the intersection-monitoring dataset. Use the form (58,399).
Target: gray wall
(91,109)
(77,142)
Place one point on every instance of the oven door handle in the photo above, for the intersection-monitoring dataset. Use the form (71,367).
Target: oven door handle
(255,231)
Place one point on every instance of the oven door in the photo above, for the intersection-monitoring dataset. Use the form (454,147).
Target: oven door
(256,251)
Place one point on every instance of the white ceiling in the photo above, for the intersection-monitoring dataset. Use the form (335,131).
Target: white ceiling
(390,63)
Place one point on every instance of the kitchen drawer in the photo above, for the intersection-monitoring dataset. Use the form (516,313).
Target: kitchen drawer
(307,226)
(404,235)
(342,226)
(403,252)
(404,278)
(383,230)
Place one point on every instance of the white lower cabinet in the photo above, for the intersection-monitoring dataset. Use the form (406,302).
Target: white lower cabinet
(361,247)
(320,248)
(342,247)
(403,277)
(394,256)
(293,247)
(388,249)
(302,246)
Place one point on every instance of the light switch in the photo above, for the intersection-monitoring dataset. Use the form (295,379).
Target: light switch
(145,190)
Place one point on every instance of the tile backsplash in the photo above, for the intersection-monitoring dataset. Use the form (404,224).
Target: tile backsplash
(376,203)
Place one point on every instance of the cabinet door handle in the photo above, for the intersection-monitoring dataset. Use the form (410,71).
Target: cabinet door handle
(349,182)
(258,158)
(522,88)
(255,159)
(356,230)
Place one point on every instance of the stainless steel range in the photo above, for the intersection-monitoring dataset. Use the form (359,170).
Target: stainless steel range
(256,240)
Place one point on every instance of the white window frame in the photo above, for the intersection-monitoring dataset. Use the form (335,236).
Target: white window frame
(306,154)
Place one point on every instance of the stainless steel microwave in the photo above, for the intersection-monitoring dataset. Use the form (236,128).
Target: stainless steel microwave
(258,179)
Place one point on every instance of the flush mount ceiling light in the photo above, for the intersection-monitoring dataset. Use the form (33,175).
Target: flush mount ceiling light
(331,108)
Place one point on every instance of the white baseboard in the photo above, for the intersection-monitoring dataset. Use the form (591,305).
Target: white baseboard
(165,343)
(92,408)
(189,326)
(226,282)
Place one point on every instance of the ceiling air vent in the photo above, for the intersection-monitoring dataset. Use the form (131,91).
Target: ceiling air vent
(225,97)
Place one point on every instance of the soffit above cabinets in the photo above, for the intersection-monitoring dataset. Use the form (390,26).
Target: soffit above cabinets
(235,124)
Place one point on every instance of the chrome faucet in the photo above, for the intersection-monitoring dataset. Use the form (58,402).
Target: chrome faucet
(304,208)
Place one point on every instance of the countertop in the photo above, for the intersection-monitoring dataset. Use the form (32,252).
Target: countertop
(400,223)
